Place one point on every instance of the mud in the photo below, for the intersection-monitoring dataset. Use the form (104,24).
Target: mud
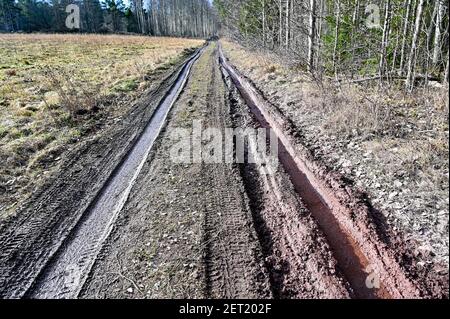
(296,253)
(187,229)
(29,238)
(351,224)
(65,275)
(232,256)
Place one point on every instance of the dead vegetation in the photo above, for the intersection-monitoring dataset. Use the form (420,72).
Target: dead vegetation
(76,98)
(58,89)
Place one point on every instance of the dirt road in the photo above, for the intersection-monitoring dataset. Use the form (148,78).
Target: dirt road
(126,220)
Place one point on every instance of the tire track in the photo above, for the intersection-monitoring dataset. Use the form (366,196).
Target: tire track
(296,254)
(65,274)
(359,254)
(30,238)
(232,255)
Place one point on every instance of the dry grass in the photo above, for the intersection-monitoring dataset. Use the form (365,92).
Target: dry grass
(412,125)
(368,110)
(53,87)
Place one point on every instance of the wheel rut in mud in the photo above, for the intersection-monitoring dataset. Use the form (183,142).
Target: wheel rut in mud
(186,231)
(357,251)
(231,256)
(64,275)
(296,255)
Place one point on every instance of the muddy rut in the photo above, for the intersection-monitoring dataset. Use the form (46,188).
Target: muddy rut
(127,220)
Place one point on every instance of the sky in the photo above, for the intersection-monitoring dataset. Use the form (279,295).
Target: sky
(127,2)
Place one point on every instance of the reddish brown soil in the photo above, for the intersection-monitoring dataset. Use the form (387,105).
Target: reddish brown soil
(348,223)
(296,253)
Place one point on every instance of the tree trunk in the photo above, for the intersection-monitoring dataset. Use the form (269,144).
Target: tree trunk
(264,21)
(384,40)
(319,32)
(446,71)
(140,15)
(394,58)
(336,34)
(437,33)
(280,40)
(287,24)
(413,53)
(312,33)
(405,34)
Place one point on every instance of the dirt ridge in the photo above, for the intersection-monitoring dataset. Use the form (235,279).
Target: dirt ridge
(296,253)
(352,212)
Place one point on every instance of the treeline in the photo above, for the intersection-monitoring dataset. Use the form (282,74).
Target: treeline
(382,39)
(185,18)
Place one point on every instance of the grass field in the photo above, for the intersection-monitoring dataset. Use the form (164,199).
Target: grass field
(53,88)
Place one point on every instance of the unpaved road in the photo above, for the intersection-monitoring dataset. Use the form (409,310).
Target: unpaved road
(125,220)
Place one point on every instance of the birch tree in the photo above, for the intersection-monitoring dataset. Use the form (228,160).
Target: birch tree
(405,34)
(384,41)
(410,77)
(312,34)
(437,33)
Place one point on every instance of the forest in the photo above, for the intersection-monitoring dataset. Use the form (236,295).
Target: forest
(183,18)
(383,39)
(366,40)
